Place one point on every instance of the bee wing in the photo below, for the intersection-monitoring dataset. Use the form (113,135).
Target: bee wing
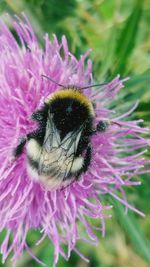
(69,146)
(52,137)
(57,155)
(50,144)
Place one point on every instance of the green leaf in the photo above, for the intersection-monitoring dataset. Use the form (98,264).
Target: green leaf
(133,230)
(47,254)
(138,80)
(109,54)
(3,5)
(127,38)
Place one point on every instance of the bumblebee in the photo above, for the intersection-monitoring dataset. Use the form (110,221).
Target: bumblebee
(60,150)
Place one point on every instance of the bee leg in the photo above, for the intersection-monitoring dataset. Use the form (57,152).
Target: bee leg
(38,135)
(87,159)
(19,149)
(38,115)
(102,126)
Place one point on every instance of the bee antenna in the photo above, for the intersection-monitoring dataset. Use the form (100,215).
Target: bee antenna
(81,88)
(93,85)
(53,81)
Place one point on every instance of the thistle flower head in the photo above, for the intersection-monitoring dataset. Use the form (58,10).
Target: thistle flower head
(24,203)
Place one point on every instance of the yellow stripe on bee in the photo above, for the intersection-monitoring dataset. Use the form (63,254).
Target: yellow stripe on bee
(73,94)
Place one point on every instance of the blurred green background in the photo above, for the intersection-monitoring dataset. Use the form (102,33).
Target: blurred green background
(118,31)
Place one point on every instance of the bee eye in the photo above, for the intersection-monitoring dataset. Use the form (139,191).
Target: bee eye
(69,109)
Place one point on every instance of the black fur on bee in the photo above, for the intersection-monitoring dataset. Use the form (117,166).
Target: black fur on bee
(60,149)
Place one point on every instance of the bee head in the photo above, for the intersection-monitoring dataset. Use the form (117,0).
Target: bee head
(70,109)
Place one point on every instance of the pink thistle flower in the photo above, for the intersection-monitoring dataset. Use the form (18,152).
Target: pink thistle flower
(24,203)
